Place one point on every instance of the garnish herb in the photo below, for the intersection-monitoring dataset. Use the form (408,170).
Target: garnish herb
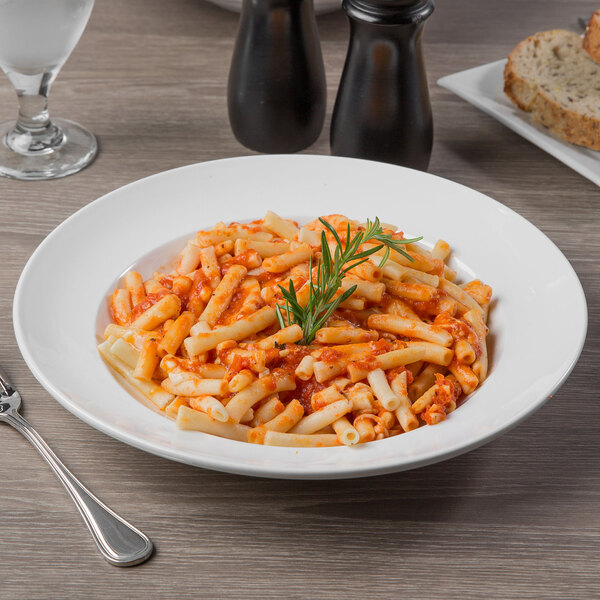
(331,270)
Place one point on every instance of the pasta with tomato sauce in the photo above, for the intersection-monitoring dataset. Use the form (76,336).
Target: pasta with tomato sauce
(212,343)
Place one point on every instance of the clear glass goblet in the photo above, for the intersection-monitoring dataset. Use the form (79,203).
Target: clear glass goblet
(36,38)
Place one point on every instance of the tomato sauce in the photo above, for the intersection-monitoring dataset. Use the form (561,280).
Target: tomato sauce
(380,347)
(235,306)
(330,355)
(146,303)
(339,223)
(351,316)
(446,391)
(267,277)
(239,363)
(425,308)
(245,259)
(192,365)
(478,291)
(252,227)
(366,364)
(288,364)
(200,289)
(303,393)
(291,360)
(166,281)
(392,373)
(271,384)
(116,315)
(439,267)
(459,330)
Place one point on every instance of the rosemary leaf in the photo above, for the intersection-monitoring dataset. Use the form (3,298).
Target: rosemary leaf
(323,302)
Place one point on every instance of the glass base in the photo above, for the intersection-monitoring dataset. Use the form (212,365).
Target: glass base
(77,148)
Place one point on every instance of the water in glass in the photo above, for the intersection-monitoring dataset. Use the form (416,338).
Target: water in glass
(36,38)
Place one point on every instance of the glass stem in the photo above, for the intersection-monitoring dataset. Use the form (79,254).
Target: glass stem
(34,132)
(33,112)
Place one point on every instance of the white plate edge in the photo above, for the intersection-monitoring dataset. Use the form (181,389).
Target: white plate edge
(348,472)
(519,124)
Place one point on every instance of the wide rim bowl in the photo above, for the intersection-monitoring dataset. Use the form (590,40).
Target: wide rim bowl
(60,301)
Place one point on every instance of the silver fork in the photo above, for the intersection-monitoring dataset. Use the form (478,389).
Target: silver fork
(121,544)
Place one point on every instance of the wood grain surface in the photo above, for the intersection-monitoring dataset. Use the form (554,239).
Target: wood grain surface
(518,518)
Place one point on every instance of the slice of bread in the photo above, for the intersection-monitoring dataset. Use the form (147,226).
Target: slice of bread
(550,75)
(591,40)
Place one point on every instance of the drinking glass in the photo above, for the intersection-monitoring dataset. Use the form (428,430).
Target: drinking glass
(36,38)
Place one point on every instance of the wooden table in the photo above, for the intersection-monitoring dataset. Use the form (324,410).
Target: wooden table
(517,518)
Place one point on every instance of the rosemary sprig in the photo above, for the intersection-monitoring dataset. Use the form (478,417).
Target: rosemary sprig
(323,301)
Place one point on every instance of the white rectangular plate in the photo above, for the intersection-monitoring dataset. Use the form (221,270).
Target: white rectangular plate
(483,87)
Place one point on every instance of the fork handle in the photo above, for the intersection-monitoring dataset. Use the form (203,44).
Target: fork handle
(120,543)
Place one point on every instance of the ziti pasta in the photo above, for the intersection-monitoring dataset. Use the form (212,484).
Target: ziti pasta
(334,333)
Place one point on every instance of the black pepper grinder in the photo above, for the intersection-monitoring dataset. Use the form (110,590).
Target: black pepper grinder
(276,92)
(382,110)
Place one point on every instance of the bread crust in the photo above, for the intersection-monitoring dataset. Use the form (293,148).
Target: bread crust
(591,40)
(570,125)
(520,91)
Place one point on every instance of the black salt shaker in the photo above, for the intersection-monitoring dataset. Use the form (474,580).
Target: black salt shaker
(382,110)
(276,93)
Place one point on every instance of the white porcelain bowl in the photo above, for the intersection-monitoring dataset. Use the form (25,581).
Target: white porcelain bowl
(60,304)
